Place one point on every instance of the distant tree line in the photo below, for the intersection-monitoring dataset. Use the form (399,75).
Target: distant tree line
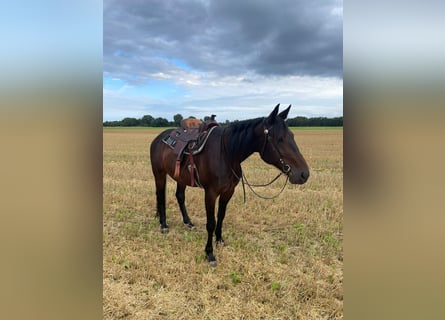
(149,121)
(315,122)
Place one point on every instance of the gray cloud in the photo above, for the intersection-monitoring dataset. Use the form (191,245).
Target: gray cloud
(285,37)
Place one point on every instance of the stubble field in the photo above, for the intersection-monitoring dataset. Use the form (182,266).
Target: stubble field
(283,258)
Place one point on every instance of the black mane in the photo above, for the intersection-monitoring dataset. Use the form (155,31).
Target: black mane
(241,142)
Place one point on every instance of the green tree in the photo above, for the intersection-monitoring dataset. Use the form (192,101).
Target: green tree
(130,122)
(112,123)
(177,118)
(146,121)
(160,122)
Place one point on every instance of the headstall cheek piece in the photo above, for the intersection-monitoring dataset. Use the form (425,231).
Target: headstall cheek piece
(286,168)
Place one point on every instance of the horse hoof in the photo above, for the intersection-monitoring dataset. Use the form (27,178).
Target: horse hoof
(213,263)
(220,243)
(164,230)
(190,225)
(212,260)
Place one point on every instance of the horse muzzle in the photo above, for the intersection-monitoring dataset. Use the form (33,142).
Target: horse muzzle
(298,176)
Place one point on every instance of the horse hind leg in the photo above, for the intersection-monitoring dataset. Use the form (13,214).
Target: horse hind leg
(161,181)
(160,175)
(210,198)
(180,196)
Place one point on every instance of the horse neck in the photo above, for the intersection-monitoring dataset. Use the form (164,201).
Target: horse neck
(242,141)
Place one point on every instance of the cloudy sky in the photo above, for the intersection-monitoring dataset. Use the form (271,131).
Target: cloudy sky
(236,59)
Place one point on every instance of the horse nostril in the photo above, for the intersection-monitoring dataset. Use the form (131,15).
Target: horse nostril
(305,175)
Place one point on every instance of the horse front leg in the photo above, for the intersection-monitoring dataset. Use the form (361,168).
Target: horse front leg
(210,198)
(223,201)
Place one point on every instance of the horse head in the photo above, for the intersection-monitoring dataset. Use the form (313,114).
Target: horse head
(279,148)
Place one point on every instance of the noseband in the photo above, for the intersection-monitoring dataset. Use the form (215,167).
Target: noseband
(267,138)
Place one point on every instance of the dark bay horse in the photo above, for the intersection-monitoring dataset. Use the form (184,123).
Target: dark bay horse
(219,166)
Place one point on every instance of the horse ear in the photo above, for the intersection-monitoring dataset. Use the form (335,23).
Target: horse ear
(283,114)
(273,115)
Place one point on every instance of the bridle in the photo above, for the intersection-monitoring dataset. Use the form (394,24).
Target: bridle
(267,138)
(284,171)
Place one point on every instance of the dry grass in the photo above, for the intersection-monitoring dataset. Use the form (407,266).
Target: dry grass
(282,260)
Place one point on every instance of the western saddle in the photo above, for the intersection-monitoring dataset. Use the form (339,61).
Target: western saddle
(190,138)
